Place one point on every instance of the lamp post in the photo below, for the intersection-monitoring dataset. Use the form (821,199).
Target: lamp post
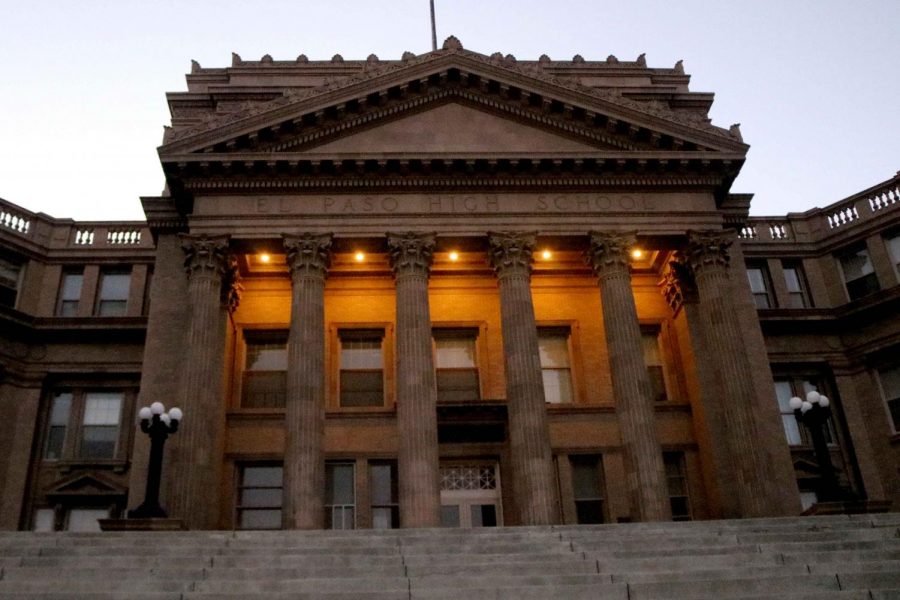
(814,413)
(158,424)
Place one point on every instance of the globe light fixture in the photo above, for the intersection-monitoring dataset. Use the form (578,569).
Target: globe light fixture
(813,413)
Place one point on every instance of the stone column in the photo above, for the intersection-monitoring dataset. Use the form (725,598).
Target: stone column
(529,436)
(419,476)
(303,503)
(646,478)
(708,258)
(196,472)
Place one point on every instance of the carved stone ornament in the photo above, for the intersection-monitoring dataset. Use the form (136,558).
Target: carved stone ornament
(707,249)
(677,284)
(308,254)
(609,252)
(411,252)
(452,43)
(231,285)
(204,255)
(512,252)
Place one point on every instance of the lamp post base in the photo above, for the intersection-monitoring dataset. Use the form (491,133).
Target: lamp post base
(148,511)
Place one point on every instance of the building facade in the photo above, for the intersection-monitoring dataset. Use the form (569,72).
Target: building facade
(452,289)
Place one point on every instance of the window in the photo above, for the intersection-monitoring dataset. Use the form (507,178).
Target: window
(44,520)
(69,294)
(758,275)
(112,299)
(676,479)
(553,345)
(10,276)
(587,487)
(85,519)
(893,244)
(653,361)
(259,497)
(340,496)
(362,367)
(795,282)
(889,377)
(91,419)
(456,369)
(859,274)
(383,489)
(264,382)
(785,389)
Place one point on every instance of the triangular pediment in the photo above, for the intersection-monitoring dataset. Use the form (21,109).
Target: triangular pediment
(451,128)
(85,484)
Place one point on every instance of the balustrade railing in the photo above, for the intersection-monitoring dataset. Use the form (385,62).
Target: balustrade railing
(14,220)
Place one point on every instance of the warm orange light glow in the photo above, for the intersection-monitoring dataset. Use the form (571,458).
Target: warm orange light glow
(359,256)
(637,253)
(546,255)
(264,258)
(454,256)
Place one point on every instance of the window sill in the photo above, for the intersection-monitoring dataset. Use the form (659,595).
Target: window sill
(67,466)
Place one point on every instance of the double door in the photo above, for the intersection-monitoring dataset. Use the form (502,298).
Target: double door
(470,495)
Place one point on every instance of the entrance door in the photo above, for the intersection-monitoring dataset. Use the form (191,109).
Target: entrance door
(470,495)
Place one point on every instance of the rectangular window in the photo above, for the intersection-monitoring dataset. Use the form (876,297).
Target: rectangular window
(100,427)
(654,363)
(676,478)
(259,497)
(362,367)
(85,519)
(60,408)
(553,344)
(69,294)
(758,275)
(456,369)
(383,490)
(44,520)
(859,274)
(893,244)
(112,299)
(889,377)
(264,382)
(785,389)
(587,487)
(340,496)
(10,276)
(795,282)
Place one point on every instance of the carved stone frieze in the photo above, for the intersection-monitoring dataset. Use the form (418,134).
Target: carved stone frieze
(411,252)
(609,252)
(308,254)
(677,283)
(511,252)
(708,249)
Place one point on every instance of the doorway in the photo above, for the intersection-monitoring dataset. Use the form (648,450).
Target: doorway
(470,495)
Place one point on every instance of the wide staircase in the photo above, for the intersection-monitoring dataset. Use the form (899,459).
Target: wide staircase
(840,557)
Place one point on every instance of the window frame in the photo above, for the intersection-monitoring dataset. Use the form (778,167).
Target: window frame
(100,301)
(565,331)
(882,392)
(360,334)
(240,508)
(20,266)
(600,475)
(62,301)
(73,437)
(394,505)
(248,337)
(331,507)
(766,279)
(870,279)
(458,332)
(679,459)
(658,332)
(803,292)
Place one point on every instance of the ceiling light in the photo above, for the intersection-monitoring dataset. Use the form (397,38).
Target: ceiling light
(359,256)
(546,255)
(264,258)
(454,255)
(637,253)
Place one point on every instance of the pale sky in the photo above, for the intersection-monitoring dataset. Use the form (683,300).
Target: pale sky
(814,84)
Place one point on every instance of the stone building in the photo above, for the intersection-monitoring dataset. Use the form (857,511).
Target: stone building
(451,288)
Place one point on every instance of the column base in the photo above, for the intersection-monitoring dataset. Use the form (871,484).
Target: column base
(142,525)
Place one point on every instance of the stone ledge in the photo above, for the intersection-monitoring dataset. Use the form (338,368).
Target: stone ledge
(142,525)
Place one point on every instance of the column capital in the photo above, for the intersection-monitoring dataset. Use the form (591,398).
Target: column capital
(511,252)
(308,254)
(608,252)
(411,253)
(677,284)
(204,255)
(708,249)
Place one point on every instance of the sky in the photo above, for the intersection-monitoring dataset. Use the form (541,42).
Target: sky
(814,84)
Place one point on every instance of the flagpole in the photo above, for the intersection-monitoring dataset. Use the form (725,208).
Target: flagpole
(433,30)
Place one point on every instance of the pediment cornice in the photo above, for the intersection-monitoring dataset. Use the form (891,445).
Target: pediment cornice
(527,92)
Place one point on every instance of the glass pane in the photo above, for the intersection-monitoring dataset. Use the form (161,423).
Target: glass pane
(657,383)
(85,519)
(791,279)
(260,519)
(791,430)
(894,248)
(102,408)
(856,264)
(266,497)
(383,518)
(890,382)
(262,476)
(450,515)
(112,308)
(784,393)
(381,483)
(554,350)
(796,300)
(863,286)
(339,484)
(589,511)
(757,280)
(483,515)
(68,308)
(264,389)
(59,413)
(557,385)
(71,286)
(454,352)
(807,499)
(340,517)
(457,385)
(99,441)
(361,353)
(114,286)
(362,388)
(56,438)
(9,274)
(650,345)
(266,356)
(586,477)
(43,519)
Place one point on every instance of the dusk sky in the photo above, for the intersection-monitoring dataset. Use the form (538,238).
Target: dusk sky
(814,84)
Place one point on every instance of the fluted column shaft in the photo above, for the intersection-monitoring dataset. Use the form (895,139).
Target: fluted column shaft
(417,461)
(631,384)
(303,505)
(708,258)
(197,456)
(532,459)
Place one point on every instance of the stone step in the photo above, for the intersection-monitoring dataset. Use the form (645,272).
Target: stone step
(102,573)
(55,584)
(730,588)
(306,585)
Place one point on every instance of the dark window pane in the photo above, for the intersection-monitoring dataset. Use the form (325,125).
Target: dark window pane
(657,383)
(9,282)
(262,476)
(112,308)
(260,519)
(863,286)
(263,389)
(894,406)
(457,385)
(99,441)
(484,515)
(382,488)
(362,388)
(339,484)
(386,517)
(262,497)
(589,511)
(450,516)
(586,477)
(680,508)
(56,438)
